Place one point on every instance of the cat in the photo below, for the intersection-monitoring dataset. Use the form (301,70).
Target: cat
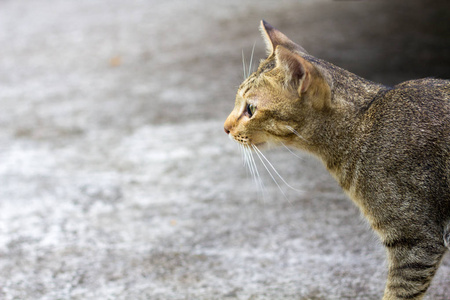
(388,148)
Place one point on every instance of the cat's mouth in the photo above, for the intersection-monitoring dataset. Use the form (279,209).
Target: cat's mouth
(245,141)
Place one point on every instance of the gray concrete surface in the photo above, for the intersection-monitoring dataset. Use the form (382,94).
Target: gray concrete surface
(117,181)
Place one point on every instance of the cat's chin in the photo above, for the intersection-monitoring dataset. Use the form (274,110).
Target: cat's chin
(262,145)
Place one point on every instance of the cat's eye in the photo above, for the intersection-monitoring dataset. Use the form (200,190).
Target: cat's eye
(251,109)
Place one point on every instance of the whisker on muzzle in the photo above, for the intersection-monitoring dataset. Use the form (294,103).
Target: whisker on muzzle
(296,133)
(292,152)
(263,157)
(249,162)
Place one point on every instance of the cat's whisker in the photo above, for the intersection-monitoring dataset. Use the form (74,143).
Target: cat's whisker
(261,155)
(242,155)
(251,60)
(243,64)
(249,164)
(244,158)
(247,161)
(270,173)
(254,170)
(292,152)
(295,132)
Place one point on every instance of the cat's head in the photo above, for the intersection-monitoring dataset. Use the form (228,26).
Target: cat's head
(279,102)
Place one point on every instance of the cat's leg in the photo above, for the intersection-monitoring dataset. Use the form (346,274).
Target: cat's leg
(412,265)
(447,235)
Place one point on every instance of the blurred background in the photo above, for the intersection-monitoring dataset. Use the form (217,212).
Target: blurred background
(117,181)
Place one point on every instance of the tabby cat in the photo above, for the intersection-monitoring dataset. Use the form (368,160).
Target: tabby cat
(388,147)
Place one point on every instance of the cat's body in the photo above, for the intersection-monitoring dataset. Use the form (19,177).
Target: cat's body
(389,148)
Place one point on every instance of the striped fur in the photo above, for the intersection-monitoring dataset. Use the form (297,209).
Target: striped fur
(388,147)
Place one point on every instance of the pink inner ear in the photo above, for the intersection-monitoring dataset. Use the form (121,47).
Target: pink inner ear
(294,65)
(306,82)
(291,62)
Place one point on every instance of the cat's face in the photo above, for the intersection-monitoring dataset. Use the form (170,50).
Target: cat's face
(264,108)
(276,103)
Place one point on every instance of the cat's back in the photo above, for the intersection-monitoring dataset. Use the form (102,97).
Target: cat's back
(406,132)
(411,107)
(426,88)
(421,103)
(406,123)
(403,146)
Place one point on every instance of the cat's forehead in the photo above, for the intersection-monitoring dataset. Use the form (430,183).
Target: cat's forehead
(266,65)
(255,78)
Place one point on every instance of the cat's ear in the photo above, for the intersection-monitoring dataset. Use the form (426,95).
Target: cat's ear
(273,38)
(296,68)
(300,74)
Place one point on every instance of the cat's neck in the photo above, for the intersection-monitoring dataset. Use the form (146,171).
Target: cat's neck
(351,96)
(347,88)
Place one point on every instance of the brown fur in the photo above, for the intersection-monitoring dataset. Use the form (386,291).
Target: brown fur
(389,148)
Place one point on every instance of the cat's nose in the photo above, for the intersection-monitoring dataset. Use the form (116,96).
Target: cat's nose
(228,125)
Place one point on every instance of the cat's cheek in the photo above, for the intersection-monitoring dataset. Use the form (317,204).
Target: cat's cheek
(259,140)
(262,145)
